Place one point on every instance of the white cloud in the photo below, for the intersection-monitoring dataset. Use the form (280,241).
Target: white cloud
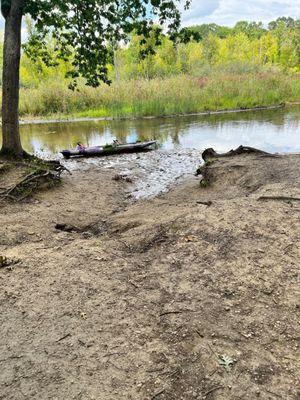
(228,12)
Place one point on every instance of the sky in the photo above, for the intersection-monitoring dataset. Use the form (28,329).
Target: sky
(228,12)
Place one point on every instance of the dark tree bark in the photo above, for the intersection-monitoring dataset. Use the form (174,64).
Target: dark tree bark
(11,143)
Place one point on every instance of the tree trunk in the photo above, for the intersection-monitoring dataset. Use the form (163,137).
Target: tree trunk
(11,143)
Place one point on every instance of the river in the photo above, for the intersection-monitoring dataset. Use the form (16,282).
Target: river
(181,140)
(273,130)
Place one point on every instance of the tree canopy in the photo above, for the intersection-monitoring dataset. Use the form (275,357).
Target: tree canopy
(83,30)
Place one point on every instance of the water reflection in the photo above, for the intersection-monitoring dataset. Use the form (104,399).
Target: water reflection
(274,130)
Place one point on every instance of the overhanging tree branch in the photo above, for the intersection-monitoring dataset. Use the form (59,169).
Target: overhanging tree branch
(82,31)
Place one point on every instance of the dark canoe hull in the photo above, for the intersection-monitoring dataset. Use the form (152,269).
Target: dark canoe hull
(100,151)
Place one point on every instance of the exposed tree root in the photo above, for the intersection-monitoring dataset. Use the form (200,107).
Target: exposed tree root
(4,167)
(43,174)
(11,156)
(210,156)
(211,153)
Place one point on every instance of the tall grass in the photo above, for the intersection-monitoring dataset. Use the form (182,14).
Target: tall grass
(174,95)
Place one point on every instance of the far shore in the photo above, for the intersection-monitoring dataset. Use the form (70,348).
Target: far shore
(63,118)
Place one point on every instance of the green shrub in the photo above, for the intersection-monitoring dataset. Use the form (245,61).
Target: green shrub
(221,90)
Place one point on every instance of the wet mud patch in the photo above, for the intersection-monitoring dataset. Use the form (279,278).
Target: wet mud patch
(145,175)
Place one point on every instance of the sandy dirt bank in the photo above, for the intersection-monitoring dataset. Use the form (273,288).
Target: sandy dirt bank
(166,298)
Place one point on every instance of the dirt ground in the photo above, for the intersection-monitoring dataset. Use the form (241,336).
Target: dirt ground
(159,299)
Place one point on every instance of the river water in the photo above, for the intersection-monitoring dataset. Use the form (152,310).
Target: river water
(181,140)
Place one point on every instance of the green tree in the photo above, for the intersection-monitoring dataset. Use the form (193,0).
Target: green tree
(82,31)
(287,22)
(254,30)
(200,32)
(289,53)
(211,48)
(235,48)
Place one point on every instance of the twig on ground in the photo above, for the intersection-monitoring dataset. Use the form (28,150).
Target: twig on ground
(121,369)
(158,394)
(174,373)
(175,312)
(285,250)
(133,284)
(205,203)
(114,354)
(212,390)
(64,337)
(214,371)
(117,255)
(212,350)
(11,358)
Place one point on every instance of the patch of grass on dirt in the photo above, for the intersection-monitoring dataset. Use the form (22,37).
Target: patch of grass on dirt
(204,183)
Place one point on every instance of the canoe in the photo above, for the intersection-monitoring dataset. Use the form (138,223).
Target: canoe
(108,150)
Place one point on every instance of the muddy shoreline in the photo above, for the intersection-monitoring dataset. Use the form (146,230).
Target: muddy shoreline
(148,298)
(148,174)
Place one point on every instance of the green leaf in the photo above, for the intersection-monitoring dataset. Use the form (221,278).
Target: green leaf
(226,362)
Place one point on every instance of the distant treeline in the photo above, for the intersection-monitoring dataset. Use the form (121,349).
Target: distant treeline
(208,67)
(254,30)
(243,47)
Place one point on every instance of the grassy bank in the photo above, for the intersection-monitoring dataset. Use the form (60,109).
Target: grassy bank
(175,95)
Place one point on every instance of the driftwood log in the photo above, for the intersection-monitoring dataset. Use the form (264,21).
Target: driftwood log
(211,153)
